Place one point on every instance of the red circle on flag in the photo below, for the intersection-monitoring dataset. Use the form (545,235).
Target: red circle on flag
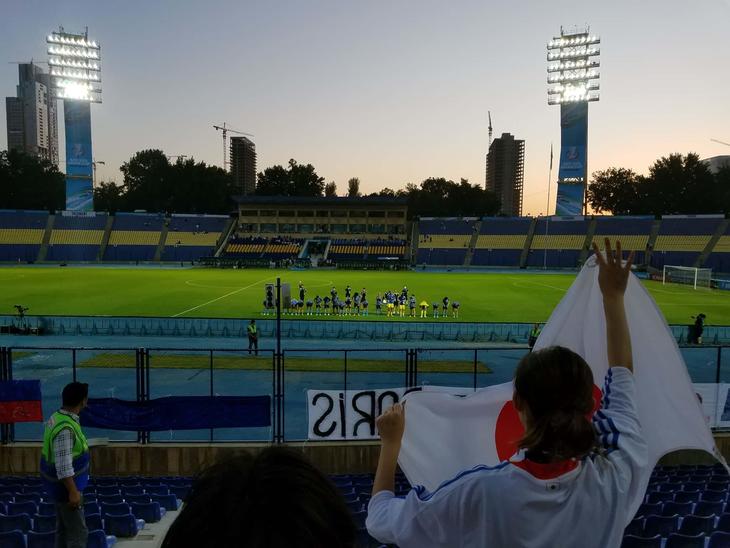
(509,429)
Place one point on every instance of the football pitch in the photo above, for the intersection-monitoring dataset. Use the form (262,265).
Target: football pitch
(216,293)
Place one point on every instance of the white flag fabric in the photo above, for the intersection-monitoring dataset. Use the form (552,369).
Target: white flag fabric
(447,434)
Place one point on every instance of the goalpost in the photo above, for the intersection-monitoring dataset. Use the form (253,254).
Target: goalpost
(688,275)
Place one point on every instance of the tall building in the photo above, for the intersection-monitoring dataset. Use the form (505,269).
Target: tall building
(32,120)
(505,172)
(243,164)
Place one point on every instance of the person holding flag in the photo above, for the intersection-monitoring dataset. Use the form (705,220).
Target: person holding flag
(573,480)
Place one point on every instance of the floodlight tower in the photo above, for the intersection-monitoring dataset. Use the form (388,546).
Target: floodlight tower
(573,83)
(75,67)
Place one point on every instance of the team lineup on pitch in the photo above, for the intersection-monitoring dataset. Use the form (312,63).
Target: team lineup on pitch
(510,296)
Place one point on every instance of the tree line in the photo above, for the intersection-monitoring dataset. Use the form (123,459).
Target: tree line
(676,184)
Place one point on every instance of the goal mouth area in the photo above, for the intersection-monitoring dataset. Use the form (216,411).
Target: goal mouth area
(687,275)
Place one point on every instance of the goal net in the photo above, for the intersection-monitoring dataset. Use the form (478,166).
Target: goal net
(688,275)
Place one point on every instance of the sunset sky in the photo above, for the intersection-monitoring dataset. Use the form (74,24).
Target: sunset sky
(390,92)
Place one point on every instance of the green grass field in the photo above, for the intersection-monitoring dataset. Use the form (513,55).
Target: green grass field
(484,297)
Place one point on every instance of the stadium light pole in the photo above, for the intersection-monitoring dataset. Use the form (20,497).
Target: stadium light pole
(74,64)
(573,83)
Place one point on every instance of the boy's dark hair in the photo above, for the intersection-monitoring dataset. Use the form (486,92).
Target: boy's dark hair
(74,393)
(556,386)
(276,499)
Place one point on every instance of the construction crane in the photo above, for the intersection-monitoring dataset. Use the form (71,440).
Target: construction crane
(490,127)
(224,130)
(721,142)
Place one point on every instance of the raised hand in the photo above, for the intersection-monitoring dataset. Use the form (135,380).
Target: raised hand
(391,424)
(613,275)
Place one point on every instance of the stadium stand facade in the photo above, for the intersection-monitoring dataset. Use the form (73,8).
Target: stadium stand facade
(190,237)
(633,232)
(134,237)
(501,241)
(444,241)
(719,257)
(76,237)
(558,242)
(681,240)
(21,234)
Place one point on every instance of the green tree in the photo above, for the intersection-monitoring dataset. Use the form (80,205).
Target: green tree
(147,181)
(353,188)
(109,197)
(618,191)
(682,184)
(293,180)
(330,189)
(27,182)
(438,196)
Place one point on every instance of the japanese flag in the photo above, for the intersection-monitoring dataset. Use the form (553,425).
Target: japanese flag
(446,434)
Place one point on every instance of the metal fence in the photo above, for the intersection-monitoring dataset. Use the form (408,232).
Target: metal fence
(137,374)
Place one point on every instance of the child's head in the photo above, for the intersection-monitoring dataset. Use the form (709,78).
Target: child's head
(554,395)
(276,499)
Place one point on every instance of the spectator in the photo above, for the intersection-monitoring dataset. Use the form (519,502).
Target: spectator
(534,334)
(274,500)
(696,330)
(567,486)
(253,337)
(65,466)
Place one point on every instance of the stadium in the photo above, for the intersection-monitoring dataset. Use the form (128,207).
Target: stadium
(301,321)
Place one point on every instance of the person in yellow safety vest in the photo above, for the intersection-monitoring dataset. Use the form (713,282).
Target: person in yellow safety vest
(64,466)
(253,337)
(424,309)
(534,334)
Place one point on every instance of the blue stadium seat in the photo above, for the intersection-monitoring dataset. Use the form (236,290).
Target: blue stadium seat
(35,498)
(716,485)
(678,540)
(7,497)
(94,521)
(150,512)
(657,497)
(168,502)
(694,525)
(180,491)
(686,496)
(159,490)
(719,539)
(632,541)
(669,487)
(12,539)
(635,527)
(661,525)
(20,522)
(679,508)
(41,540)
(15,508)
(694,486)
(137,490)
(649,509)
(131,499)
(706,508)
(723,523)
(43,524)
(115,509)
(122,526)
(107,490)
(110,499)
(711,495)
(355,506)
(92,508)
(47,509)
(99,539)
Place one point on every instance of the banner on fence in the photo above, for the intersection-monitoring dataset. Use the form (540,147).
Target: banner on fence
(351,414)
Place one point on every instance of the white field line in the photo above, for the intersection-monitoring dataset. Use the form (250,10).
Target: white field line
(219,298)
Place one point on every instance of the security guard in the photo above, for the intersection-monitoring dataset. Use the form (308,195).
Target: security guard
(65,466)
(253,337)
(534,334)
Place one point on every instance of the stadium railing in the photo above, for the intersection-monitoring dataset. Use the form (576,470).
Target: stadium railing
(287,378)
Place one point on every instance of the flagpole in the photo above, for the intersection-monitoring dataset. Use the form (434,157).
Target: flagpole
(547,209)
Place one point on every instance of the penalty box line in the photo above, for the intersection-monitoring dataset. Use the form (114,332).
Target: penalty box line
(219,298)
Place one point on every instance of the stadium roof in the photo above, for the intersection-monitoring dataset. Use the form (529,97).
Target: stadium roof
(716,162)
(366,201)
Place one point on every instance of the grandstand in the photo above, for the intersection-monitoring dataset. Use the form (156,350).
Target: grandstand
(501,241)
(76,237)
(21,234)
(633,232)
(134,237)
(190,237)
(681,240)
(719,258)
(444,241)
(559,242)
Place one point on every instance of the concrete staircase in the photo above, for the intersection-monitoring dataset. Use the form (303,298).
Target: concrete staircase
(722,227)
(415,234)
(161,244)
(46,239)
(472,243)
(105,238)
(528,243)
(223,242)
(587,243)
(652,240)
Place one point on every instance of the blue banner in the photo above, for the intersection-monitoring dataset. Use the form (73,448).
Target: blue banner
(79,168)
(573,141)
(570,199)
(178,413)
